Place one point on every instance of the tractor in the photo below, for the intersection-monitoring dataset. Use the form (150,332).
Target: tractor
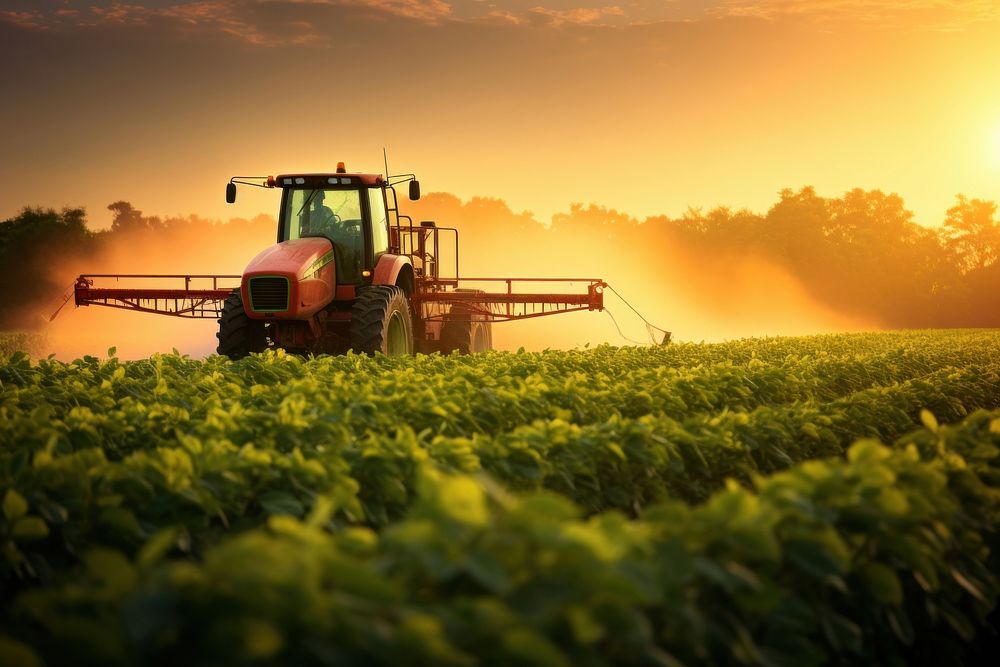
(348,271)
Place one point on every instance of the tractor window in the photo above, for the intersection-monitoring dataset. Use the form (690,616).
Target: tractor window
(380,228)
(333,214)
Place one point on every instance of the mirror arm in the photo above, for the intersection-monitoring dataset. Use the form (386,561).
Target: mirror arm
(401,178)
(264,182)
(250,180)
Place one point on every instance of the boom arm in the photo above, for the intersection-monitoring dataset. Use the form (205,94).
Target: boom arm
(496,306)
(201,296)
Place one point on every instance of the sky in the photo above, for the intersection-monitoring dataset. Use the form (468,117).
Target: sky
(648,107)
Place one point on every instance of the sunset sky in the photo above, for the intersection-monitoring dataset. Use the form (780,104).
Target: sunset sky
(645,106)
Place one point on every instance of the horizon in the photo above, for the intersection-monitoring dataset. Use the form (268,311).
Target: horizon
(102,222)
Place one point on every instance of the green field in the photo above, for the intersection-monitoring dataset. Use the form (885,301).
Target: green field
(789,501)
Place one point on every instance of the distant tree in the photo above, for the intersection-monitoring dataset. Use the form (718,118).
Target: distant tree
(973,233)
(869,219)
(596,222)
(796,226)
(129,219)
(872,241)
(723,228)
(34,246)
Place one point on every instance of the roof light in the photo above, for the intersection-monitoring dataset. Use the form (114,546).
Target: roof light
(341,169)
(300,181)
(331,181)
(345,181)
(286,181)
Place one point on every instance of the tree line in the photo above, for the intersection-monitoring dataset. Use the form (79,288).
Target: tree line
(42,251)
(861,254)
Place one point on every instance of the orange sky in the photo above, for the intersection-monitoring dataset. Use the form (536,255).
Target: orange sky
(647,107)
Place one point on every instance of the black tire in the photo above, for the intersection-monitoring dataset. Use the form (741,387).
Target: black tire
(381,321)
(464,332)
(238,334)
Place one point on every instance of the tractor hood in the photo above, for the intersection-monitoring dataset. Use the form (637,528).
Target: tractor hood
(290,280)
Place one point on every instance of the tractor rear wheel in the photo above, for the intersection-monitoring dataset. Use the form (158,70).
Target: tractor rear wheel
(462,333)
(381,321)
(238,334)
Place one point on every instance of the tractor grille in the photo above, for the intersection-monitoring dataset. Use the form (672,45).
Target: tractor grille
(269,294)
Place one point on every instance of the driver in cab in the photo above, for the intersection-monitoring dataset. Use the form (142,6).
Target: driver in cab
(320,218)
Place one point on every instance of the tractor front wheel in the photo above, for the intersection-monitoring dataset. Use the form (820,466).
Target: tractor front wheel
(381,322)
(238,334)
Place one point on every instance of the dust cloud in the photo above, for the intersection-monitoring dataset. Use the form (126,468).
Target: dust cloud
(697,295)
(184,247)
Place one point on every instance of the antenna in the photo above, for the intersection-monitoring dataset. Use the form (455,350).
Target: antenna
(385,156)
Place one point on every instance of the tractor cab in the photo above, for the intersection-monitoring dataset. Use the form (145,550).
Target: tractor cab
(357,213)
(349,210)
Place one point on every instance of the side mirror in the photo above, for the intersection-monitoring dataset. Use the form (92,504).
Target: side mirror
(414,190)
(230,193)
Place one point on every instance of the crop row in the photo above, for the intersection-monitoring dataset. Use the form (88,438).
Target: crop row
(885,557)
(210,484)
(903,344)
(282,401)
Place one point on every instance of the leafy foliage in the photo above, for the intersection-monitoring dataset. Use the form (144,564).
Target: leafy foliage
(677,505)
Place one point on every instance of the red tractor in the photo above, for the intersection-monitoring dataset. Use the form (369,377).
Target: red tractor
(348,271)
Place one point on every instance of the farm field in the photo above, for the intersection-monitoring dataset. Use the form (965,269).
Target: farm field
(787,501)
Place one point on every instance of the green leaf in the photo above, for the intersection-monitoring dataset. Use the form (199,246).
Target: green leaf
(959,622)
(111,568)
(157,546)
(321,512)
(281,502)
(883,583)
(486,568)
(819,559)
(966,583)
(463,500)
(29,528)
(530,648)
(843,633)
(261,639)
(14,505)
(901,626)
(15,654)
(52,512)
(425,634)
(122,520)
(929,420)
(585,628)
